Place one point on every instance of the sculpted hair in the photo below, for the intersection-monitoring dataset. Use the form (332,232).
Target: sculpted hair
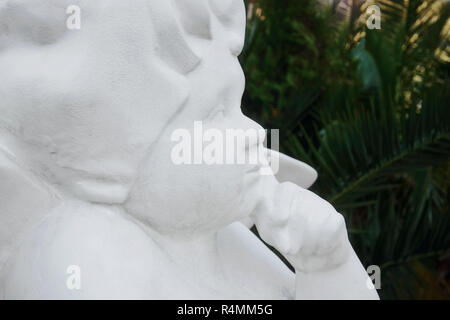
(39,27)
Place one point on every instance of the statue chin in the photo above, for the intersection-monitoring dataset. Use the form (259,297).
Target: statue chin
(92,206)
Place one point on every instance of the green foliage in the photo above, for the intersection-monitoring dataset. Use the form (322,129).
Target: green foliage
(369,110)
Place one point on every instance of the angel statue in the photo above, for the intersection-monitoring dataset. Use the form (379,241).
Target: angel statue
(92,205)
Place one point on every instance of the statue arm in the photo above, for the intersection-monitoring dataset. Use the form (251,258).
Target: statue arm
(309,232)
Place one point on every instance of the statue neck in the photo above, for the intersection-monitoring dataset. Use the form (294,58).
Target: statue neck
(195,253)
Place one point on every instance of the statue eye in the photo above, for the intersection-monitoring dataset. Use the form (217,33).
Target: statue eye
(178,25)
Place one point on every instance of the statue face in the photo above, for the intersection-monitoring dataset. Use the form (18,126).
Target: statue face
(194,197)
(96,107)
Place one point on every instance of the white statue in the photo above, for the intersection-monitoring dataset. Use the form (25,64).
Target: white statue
(91,205)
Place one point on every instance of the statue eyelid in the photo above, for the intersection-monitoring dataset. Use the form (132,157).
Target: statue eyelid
(191,20)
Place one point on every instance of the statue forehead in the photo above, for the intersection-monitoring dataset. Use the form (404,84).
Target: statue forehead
(173,22)
(194,13)
(198,10)
(43,22)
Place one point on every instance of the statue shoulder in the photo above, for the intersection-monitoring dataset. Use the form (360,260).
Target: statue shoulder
(108,253)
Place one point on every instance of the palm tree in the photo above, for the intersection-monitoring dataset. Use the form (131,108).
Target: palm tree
(373,120)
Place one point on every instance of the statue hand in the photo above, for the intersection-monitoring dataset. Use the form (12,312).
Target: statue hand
(306,229)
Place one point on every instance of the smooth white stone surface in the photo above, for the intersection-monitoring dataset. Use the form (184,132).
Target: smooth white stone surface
(85,173)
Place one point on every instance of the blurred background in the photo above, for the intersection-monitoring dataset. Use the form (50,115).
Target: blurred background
(369,109)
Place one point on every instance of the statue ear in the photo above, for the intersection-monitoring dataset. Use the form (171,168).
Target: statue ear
(23,203)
